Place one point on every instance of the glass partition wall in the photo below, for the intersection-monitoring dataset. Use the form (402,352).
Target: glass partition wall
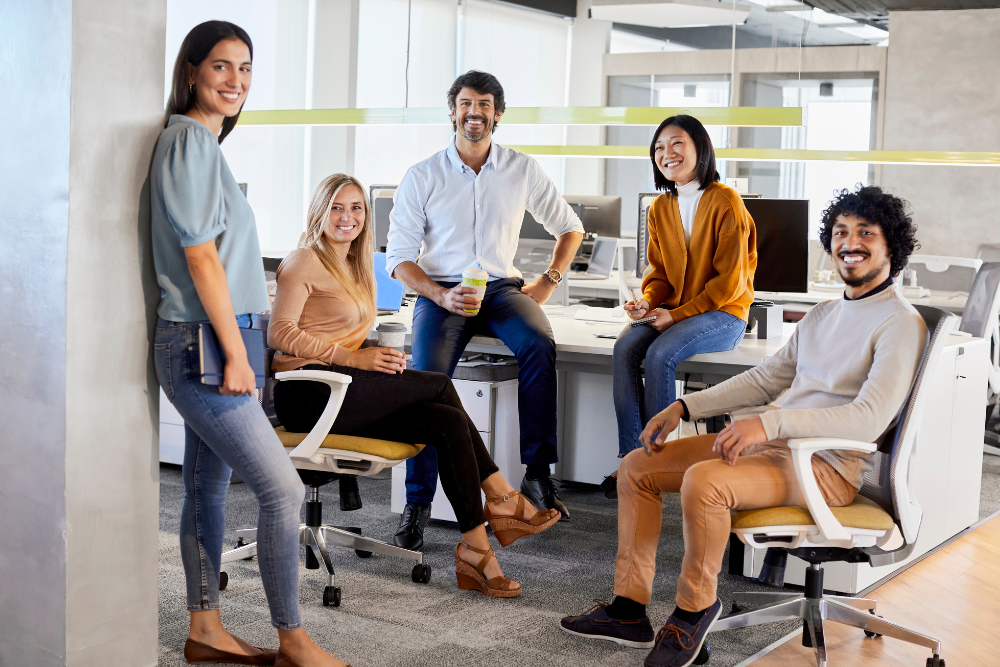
(627,178)
(839,112)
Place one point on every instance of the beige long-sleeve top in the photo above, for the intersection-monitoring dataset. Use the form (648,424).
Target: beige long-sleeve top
(314,320)
(848,369)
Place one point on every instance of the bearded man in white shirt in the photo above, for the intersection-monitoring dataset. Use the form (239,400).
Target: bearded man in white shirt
(462,208)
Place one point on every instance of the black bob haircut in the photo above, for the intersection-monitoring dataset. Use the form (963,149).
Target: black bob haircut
(483,83)
(872,203)
(194,49)
(705,171)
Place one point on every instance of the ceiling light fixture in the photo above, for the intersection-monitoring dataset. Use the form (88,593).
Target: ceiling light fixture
(670,13)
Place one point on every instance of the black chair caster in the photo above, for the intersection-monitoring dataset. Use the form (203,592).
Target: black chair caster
(936,661)
(703,655)
(360,553)
(240,542)
(736,609)
(869,633)
(223,581)
(421,573)
(331,596)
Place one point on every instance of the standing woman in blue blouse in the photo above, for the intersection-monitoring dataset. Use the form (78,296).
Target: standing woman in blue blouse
(208,265)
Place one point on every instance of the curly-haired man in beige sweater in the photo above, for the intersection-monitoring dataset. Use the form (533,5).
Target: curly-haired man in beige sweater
(847,371)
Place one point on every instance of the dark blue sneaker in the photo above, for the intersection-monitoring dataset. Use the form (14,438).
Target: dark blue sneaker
(679,643)
(596,624)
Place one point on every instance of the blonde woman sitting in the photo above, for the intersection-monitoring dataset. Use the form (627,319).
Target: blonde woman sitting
(323,311)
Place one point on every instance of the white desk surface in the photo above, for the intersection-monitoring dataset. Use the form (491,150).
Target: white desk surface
(576,337)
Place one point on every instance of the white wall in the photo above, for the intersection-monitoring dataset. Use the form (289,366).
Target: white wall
(943,94)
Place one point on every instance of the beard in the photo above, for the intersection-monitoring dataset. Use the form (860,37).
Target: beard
(469,135)
(858,281)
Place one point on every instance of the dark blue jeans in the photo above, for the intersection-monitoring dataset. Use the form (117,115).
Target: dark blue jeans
(507,313)
(635,404)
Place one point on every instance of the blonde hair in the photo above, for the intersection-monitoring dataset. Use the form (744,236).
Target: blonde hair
(358,274)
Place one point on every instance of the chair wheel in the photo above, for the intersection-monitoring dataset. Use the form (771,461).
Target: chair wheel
(223,581)
(869,633)
(736,609)
(703,655)
(936,661)
(331,596)
(363,554)
(421,573)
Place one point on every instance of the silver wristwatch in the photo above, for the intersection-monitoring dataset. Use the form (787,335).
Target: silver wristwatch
(554,275)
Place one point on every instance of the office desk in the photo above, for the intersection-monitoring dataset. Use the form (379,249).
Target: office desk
(953,302)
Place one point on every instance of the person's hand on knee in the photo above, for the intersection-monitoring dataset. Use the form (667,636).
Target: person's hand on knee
(664,320)
(736,437)
(654,436)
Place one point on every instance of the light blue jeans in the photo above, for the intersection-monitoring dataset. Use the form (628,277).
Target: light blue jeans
(635,404)
(222,434)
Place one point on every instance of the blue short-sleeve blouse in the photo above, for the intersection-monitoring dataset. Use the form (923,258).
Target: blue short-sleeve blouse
(195,199)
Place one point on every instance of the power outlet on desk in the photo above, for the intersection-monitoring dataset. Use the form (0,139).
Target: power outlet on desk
(765,320)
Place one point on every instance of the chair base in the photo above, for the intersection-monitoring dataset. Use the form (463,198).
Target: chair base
(813,608)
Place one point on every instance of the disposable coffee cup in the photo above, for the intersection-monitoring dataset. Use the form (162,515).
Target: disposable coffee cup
(392,334)
(475,278)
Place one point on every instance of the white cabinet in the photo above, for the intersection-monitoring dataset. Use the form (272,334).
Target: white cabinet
(947,467)
(493,409)
(171,433)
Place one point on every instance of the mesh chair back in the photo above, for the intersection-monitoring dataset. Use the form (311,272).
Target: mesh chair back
(266,394)
(980,314)
(886,484)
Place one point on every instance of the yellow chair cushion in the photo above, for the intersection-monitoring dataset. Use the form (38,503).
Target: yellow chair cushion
(386,449)
(862,513)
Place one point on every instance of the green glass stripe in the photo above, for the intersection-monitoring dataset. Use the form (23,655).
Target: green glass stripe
(778,155)
(729,116)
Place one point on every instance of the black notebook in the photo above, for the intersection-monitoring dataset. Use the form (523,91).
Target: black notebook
(213,361)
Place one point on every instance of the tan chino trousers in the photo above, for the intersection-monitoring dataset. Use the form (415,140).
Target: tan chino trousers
(709,488)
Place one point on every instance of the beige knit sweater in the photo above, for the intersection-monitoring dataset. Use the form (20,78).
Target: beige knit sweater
(848,369)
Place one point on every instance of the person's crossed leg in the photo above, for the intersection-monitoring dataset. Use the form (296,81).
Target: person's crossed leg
(710,487)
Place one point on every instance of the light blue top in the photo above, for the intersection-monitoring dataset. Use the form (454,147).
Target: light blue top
(195,199)
(454,219)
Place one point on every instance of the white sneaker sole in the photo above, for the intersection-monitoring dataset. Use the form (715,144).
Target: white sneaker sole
(617,640)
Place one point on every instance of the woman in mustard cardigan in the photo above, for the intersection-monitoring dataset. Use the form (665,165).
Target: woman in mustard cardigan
(702,256)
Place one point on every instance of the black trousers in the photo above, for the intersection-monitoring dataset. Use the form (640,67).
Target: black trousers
(413,407)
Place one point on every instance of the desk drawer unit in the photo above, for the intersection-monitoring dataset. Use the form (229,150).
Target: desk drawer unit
(492,406)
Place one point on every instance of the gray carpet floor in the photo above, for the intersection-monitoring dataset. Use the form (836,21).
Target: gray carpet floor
(387,620)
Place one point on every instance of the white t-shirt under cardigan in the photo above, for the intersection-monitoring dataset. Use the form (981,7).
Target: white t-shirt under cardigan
(847,368)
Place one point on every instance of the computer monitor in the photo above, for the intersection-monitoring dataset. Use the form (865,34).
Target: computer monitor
(388,290)
(532,229)
(602,215)
(782,244)
(602,257)
(380,199)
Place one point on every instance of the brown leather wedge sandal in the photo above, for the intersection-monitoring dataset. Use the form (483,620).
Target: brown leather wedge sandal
(472,579)
(509,529)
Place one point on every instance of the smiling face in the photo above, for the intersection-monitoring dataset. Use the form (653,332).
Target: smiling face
(474,114)
(347,218)
(859,252)
(222,81)
(676,155)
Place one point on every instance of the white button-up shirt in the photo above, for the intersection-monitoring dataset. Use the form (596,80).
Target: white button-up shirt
(453,219)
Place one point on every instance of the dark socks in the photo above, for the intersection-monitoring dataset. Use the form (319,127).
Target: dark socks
(689,617)
(535,471)
(625,609)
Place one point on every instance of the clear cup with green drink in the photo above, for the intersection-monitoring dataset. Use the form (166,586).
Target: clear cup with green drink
(475,278)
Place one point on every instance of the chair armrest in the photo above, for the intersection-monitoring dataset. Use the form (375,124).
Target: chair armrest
(306,450)
(831,533)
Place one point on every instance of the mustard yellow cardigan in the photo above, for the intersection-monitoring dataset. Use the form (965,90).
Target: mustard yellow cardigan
(716,272)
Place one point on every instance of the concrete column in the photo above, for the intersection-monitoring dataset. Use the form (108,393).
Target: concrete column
(83,104)
(585,176)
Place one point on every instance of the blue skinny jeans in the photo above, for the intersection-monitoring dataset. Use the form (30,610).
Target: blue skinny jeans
(636,404)
(222,434)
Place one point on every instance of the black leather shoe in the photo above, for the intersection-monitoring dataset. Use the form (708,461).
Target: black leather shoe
(350,495)
(610,487)
(411,526)
(543,495)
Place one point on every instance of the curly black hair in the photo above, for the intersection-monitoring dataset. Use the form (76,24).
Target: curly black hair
(887,211)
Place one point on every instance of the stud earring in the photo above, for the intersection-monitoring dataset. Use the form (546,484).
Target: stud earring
(190,88)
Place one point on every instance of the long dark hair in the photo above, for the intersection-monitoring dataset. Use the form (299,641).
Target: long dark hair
(705,170)
(194,49)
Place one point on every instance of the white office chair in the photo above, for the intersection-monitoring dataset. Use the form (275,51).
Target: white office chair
(856,533)
(942,276)
(988,252)
(981,319)
(321,458)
